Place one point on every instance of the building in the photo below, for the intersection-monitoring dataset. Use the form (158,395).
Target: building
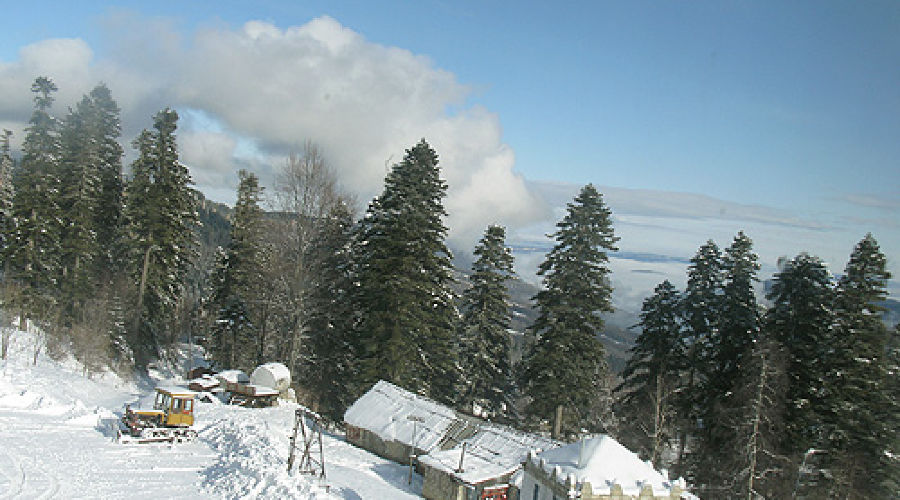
(480,467)
(395,423)
(598,468)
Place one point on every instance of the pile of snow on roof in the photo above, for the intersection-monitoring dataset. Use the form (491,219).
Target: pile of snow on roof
(603,462)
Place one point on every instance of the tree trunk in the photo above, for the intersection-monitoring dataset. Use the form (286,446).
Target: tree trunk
(753,447)
(657,421)
(141,288)
(261,350)
(557,422)
(140,351)
(4,348)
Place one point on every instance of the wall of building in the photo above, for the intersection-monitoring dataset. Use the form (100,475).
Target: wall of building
(438,485)
(391,450)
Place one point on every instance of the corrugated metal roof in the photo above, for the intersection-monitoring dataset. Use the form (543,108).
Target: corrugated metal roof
(491,452)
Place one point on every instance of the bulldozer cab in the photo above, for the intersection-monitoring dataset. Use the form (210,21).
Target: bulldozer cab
(177,406)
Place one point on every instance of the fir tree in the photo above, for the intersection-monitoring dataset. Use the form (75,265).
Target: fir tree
(108,211)
(800,319)
(34,249)
(652,374)
(564,366)
(484,328)
(701,310)
(739,325)
(892,412)
(737,329)
(240,281)
(857,373)
(331,358)
(404,272)
(78,202)
(6,232)
(161,215)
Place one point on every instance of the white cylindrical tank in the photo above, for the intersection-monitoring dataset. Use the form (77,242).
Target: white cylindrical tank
(273,375)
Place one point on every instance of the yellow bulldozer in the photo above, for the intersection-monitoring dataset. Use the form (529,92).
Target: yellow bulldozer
(170,420)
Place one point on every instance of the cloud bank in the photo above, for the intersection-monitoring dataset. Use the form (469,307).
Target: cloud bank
(273,89)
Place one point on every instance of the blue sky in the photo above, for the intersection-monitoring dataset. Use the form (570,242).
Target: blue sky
(791,107)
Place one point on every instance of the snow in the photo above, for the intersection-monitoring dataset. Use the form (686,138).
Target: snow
(57,440)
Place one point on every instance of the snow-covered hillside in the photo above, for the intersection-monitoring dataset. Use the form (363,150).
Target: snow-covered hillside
(56,441)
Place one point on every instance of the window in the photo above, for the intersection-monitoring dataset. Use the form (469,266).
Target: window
(162,401)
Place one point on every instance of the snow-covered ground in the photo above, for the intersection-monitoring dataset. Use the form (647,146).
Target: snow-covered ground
(56,441)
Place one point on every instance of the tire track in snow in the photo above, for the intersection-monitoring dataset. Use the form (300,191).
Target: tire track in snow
(15,474)
(42,485)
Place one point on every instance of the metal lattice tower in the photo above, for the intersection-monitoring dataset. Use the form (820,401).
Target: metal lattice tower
(311,437)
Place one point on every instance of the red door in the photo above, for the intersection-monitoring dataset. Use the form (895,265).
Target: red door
(495,493)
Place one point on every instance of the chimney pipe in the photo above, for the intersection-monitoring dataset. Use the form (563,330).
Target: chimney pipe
(462,455)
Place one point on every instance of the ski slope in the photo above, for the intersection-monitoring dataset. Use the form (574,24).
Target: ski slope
(57,441)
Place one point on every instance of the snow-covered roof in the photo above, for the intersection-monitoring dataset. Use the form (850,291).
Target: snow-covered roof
(603,462)
(177,391)
(206,382)
(389,412)
(492,452)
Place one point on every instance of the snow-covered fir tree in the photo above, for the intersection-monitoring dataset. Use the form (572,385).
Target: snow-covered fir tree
(406,332)
(484,328)
(564,370)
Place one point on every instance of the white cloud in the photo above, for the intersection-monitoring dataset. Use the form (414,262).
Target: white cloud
(362,102)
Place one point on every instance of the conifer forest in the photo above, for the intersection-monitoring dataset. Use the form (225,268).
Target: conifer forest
(749,386)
